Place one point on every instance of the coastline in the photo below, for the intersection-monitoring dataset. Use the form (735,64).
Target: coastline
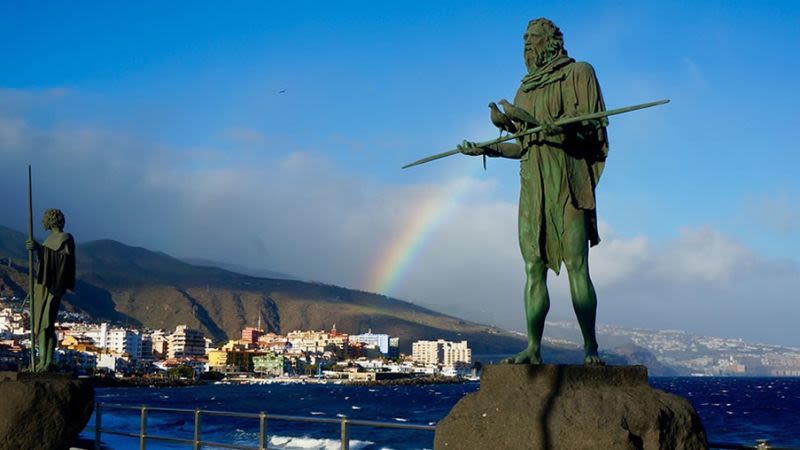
(164,383)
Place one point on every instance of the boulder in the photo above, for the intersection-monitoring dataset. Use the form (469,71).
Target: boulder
(42,411)
(569,407)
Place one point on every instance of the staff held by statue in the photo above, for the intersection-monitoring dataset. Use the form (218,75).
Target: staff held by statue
(55,275)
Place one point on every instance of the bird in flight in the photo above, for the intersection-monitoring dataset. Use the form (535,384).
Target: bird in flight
(282,91)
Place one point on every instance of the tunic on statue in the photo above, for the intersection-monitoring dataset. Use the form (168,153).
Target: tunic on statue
(559,173)
(55,276)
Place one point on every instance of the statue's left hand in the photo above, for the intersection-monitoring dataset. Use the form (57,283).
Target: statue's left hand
(30,244)
(549,128)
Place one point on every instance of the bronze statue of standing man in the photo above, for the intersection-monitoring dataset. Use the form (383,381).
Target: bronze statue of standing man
(55,275)
(559,170)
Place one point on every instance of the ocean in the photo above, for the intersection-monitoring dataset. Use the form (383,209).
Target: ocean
(736,410)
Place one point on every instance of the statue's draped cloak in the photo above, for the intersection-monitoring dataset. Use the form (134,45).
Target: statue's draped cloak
(559,173)
(56,274)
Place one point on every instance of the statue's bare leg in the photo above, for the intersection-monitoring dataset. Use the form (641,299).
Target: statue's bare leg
(537,304)
(584,298)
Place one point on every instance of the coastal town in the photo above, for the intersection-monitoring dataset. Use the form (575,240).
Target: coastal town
(693,354)
(92,348)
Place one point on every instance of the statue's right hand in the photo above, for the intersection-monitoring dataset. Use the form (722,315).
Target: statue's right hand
(30,244)
(469,148)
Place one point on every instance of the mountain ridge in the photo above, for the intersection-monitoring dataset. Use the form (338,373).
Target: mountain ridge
(142,287)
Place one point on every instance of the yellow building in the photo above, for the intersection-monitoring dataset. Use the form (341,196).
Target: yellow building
(78,343)
(232,359)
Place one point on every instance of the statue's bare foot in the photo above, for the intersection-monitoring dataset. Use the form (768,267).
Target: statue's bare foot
(527,356)
(593,360)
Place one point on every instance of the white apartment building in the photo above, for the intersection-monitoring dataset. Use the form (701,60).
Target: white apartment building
(441,352)
(98,334)
(185,342)
(124,341)
(369,338)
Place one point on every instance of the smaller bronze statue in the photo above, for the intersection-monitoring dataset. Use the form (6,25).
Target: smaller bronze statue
(55,275)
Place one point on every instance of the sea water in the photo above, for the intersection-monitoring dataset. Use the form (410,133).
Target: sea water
(737,410)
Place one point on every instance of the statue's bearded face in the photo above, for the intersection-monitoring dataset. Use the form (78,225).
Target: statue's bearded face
(535,47)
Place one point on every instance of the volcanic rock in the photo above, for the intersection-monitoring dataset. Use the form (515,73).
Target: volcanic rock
(42,411)
(569,407)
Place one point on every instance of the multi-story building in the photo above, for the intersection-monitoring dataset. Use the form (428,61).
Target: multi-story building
(12,323)
(251,334)
(381,341)
(233,357)
(273,342)
(99,334)
(185,342)
(160,340)
(441,352)
(146,346)
(124,341)
(394,348)
(315,341)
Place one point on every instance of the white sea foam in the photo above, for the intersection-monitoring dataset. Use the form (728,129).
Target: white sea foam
(317,413)
(355,407)
(307,443)
(400,419)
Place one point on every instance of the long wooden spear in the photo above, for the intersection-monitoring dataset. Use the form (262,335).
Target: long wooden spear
(30,274)
(565,121)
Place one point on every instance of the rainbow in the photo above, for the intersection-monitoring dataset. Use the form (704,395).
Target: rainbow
(395,258)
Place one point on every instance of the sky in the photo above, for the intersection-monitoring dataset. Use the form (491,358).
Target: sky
(271,135)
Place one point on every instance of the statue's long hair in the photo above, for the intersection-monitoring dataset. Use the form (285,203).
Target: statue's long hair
(53,218)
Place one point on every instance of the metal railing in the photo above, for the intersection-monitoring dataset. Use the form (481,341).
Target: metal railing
(196,443)
(344,425)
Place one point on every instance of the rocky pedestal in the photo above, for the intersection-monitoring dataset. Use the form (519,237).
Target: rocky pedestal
(42,411)
(569,407)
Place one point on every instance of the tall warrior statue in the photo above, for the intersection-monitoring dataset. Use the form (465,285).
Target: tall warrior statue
(559,170)
(55,274)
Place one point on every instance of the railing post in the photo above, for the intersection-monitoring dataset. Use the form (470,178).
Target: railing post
(262,430)
(196,429)
(98,422)
(345,434)
(143,428)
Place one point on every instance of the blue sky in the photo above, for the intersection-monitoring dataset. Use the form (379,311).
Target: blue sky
(170,120)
